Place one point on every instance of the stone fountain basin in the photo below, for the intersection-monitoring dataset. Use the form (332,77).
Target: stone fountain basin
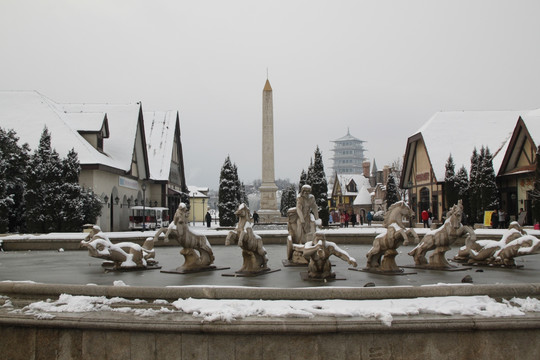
(77,268)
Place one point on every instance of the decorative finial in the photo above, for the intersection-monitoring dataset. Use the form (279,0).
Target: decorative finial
(266,73)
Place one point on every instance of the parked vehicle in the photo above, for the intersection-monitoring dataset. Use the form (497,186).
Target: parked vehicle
(153,218)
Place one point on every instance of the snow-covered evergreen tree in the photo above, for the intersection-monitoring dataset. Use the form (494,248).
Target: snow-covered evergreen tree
(302,182)
(54,199)
(450,188)
(13,159)
(474,190)
(228,195)
(42,193)
(488,186)
(392,195)
(288,199)
(462,187)
(319,186)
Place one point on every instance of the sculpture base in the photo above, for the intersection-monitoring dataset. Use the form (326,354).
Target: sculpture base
(289,263)
(269,216)
(251,273)
(433,267)
(305,276)
(378,271)
(488,265)
(191,271)
(108,266)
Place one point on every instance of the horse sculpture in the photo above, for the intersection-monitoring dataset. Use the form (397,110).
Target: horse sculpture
(196,250)
(253,252)
(124,255)
(514,242)
(318,252)
(441,239)
(381,256)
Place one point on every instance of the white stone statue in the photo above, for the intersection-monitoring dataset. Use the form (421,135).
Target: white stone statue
(514,242)
(440,240)
(196,250)
(253,251)
(124,255)
(381,256)
(318,252)
(302,223)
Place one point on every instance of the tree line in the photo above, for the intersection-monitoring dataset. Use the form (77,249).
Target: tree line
(39,191)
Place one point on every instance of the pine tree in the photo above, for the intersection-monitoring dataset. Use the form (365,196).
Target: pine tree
(391,191)
(54,199)
(302,182)
(288,200)
(228,198)
(13,159)
(450,188)
(316,177)
(462,186)
(42,189)
(474,190)
(489,191)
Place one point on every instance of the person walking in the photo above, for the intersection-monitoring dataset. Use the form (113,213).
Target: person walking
(255,217)
(502,219)
(208,218)
(353,218)
(495,219)
(369,218)
(425,218)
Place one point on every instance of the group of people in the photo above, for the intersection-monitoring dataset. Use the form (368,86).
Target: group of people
(499,219)
(344,218)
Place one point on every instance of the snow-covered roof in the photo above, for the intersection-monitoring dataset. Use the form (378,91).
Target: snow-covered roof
(159,128)
(532,121)
(363,197)
(85,122)
(195,191)
(459,132)
(347,137)
(123,120)
(359,179)
(28,112)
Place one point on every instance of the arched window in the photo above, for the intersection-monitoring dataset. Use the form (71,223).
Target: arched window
(424,199)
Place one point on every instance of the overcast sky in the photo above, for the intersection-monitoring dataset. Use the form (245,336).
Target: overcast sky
(380,68)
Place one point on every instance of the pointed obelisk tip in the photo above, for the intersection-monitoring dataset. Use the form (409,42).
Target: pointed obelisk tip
(267,86)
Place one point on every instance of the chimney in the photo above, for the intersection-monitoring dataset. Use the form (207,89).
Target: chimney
(366,165)
(386,172)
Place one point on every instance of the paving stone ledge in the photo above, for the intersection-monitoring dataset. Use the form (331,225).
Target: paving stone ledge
(497,291)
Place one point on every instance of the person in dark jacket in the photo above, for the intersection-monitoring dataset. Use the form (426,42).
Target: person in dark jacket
(208,219)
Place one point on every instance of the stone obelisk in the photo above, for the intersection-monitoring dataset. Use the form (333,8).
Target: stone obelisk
(269,211)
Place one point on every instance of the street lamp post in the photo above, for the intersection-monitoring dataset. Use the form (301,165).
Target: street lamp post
(143,187)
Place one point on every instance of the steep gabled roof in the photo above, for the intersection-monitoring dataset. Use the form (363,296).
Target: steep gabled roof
(28,112)
(363,197)
(160,128)
(124,121)
(459,132)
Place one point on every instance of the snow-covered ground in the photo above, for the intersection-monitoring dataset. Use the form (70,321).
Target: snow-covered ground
(210,310)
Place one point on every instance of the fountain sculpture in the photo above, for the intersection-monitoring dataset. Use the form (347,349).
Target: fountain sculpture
(318,252)
(253,252)
(514,242)
(196,249)
(440,240)
(121,256)
(302,225)
(381,257)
